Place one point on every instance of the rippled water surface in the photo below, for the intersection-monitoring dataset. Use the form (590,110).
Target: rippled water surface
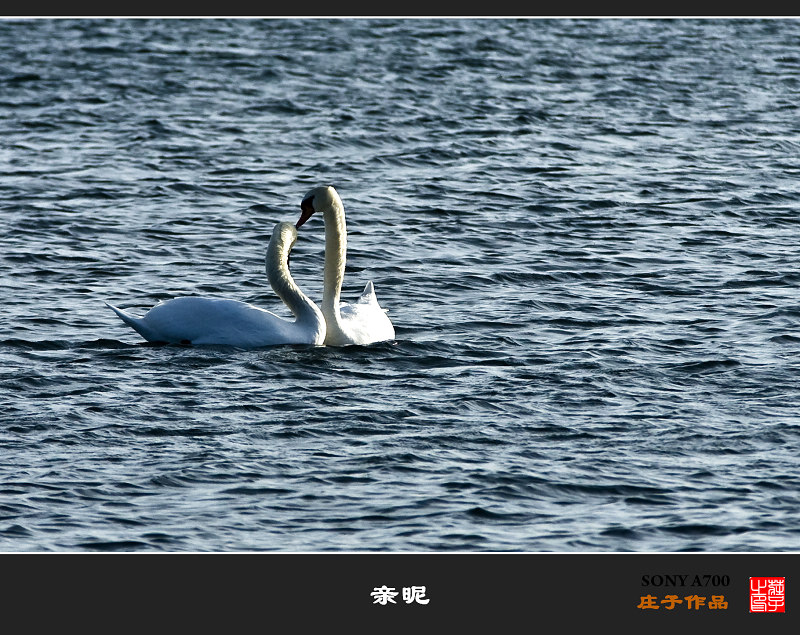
(586,234)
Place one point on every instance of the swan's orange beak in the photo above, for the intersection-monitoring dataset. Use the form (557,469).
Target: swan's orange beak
(306,210)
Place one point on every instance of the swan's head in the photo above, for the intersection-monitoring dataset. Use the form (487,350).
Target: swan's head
(319,199)
(284,235)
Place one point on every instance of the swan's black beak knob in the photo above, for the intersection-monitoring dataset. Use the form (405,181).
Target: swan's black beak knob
(306,210)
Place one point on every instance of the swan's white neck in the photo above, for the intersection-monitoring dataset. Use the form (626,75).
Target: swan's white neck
(335,259)
(277,265)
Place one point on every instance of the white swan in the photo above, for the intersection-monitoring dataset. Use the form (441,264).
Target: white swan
(363,322)
(210,321)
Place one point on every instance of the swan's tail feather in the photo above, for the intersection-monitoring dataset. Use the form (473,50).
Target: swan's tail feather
(368,294)
(134,322)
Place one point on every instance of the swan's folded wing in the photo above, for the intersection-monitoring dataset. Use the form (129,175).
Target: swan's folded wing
(365,319)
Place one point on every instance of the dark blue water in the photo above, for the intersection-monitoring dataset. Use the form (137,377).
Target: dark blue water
(586,234)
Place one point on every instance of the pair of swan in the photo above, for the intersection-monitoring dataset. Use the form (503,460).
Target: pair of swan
(210,321)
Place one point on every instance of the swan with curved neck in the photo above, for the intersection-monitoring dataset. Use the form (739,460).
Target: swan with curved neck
(210,321)
(364,321)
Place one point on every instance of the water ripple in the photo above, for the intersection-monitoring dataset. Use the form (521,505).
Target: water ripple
(584,232)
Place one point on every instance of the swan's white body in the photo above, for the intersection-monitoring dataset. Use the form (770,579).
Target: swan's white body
(218,322)
(363,322)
